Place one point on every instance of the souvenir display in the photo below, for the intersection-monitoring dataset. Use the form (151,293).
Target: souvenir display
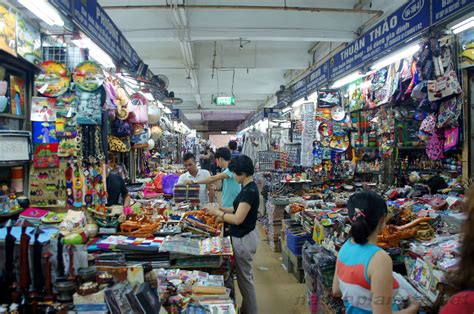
(88,76)
(93,219)
(53,80)
(7,29)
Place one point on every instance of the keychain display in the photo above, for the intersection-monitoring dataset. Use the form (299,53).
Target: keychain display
(47,186)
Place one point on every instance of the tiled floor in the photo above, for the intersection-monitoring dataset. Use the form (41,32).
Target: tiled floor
(278,292)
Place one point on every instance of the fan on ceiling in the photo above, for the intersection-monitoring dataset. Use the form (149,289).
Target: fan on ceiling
(161,81)
(171,100)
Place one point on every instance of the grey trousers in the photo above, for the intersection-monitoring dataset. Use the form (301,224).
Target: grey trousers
(244,250)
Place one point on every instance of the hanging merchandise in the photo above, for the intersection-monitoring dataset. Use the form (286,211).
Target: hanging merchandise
(53,80)
(138,107)
(89,107)
(66,122)
(154,113)
(140,136)
(451,138)
(308,135)
(42,109)
(46,156)
(444,86)
(44,132)
(118,145)
(88,76)
(329,98)
(449,112)
(120,128)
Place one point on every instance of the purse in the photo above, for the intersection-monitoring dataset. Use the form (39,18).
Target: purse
(138,107)
(118,145)
(444,86)
(428,125)
(435,147)
(449,112)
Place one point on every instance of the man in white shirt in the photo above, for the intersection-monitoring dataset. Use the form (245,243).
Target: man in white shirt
(206,192)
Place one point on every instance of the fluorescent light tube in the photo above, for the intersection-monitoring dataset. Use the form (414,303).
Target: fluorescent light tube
(223,132)
(167,110)
(464,25)
(95,52)
(285,110)
(405,53)
(347,79)
(44,11)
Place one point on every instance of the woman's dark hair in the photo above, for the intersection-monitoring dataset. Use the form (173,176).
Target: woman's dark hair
(242,164)
(188,156)
(223,152)
(233,145)
(463,277)
(436,183)
(365,210)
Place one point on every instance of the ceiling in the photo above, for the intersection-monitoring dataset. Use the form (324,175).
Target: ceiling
(256,48)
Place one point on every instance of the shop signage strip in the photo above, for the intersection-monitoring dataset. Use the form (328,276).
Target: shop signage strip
(444,9)
(318,77)
(92,19)
(398,28)
(299,89)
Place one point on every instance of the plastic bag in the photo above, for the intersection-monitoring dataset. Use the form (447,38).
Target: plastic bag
(168,183)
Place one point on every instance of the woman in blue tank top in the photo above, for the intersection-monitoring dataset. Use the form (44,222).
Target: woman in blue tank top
(363,270)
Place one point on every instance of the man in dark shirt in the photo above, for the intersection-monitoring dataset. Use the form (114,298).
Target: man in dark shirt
(233,146)
(116,188)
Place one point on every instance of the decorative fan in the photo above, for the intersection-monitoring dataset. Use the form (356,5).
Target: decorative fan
(161,81)
(171,100)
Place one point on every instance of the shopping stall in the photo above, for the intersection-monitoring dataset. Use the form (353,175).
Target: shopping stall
(389,113)
(74,108)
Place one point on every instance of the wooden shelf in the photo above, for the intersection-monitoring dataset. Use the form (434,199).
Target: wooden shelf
(411,147)
(11,116)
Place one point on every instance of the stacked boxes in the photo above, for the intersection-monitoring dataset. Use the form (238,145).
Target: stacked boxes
(274,225)
(319,266)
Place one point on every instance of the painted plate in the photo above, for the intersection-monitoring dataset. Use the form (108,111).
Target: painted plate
(54,79)
(338,113)
(88,76)
(53,218)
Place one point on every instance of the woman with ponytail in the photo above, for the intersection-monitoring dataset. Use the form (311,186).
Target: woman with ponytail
(363,270)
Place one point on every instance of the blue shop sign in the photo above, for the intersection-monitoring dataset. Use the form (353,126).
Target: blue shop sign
(96,23)
(299,89)
(400,27)
(443,9)
(318,77)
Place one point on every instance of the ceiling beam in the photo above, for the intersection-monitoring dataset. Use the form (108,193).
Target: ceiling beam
(180,19)
(246,7)
(253,34)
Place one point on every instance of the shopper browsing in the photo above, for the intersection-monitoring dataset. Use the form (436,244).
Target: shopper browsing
(462,279)
(230,187)
(363,270)
(206,192)
(117,193)
(234,146)
(242,222)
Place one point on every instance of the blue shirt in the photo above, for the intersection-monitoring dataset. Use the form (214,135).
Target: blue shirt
(230,189)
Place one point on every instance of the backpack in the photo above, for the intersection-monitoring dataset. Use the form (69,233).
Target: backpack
(428,125)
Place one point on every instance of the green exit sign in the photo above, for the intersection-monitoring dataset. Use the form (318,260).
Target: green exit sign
(224,101)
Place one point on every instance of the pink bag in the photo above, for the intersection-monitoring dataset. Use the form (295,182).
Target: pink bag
(435,147)
(444,86)
(451,138)
(428,125)
(138,106)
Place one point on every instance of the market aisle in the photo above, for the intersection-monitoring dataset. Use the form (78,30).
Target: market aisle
(278,292)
